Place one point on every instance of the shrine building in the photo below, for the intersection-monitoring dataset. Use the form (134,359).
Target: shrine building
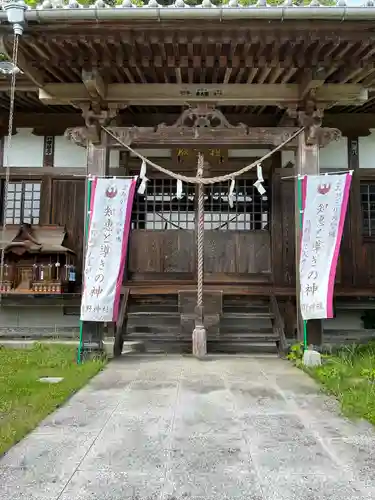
(230,82)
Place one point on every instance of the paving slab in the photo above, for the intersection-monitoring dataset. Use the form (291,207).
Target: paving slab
(175,428)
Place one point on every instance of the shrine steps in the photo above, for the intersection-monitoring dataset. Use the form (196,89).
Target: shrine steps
(245,327)
(234,324)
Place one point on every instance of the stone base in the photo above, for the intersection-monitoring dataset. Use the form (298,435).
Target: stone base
(199,342)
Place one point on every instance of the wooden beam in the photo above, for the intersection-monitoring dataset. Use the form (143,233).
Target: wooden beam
(311,80)
(38,172)
(350,124)
(43,123)
(174,94)
(94,84)
(53,172)
(21,86)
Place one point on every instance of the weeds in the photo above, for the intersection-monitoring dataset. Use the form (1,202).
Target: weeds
(296,354)
(349,374)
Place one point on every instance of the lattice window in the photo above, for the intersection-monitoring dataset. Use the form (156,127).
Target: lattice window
(160,209)
(368,208)
(250,210)
(23,203)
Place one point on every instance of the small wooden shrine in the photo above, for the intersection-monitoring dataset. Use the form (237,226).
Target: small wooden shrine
(36,260)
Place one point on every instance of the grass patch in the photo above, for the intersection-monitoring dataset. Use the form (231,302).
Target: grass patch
(350,376)
(24,401)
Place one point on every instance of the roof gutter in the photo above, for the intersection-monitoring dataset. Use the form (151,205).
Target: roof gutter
(283,13)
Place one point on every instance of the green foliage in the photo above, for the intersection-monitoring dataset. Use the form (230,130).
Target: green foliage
(295,354)
(24,401)
(368,373)
(350,376)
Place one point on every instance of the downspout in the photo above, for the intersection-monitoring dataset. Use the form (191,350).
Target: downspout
(15,12)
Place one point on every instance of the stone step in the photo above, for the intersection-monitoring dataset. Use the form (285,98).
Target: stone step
(242,348)
(247,337)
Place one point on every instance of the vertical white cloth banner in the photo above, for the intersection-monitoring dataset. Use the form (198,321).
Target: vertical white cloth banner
(324,203)
(109,226)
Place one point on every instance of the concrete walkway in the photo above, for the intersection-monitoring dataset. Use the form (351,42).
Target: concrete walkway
(174,428)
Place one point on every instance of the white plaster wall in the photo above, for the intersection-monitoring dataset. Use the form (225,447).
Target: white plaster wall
(335,155)
(366,150)
(332,157)
(68,154)
(114,158)
(26,149)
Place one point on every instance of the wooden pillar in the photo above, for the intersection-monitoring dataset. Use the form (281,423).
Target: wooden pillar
(358,275)
(97,165)
(98,158)
(307,163)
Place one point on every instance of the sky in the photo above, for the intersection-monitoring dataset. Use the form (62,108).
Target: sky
(354,3)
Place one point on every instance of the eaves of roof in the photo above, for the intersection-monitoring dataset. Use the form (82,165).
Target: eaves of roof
(51,12)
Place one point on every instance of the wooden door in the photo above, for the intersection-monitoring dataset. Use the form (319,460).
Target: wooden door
(236,241)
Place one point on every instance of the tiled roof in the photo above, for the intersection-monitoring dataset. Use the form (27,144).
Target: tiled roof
(206,4)
(52,11)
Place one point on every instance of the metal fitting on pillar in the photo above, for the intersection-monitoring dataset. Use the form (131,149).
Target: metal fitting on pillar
(16,15)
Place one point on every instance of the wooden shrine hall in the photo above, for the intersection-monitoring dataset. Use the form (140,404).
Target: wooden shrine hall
(232,83)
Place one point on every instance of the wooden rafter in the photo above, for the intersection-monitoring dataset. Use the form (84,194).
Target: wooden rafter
(28,69)
(311,80)
(94,84)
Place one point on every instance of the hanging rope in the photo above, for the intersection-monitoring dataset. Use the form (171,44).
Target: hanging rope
(203,180)
(200,232)
(7,166)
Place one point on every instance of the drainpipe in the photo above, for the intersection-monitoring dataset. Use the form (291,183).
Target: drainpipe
(15,12)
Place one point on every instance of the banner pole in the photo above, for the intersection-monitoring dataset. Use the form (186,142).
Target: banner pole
(300,209)
(87,220)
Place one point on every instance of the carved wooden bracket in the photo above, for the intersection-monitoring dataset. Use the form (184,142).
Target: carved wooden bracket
(78,135)
(204,125)
(95,118)
(309,114)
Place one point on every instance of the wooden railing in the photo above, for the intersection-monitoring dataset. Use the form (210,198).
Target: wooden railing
(278,324)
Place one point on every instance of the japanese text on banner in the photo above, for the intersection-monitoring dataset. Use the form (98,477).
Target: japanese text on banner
(325,201)
(106,248)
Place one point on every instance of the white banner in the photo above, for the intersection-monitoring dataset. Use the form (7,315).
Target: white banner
(324,203)
(109,226)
